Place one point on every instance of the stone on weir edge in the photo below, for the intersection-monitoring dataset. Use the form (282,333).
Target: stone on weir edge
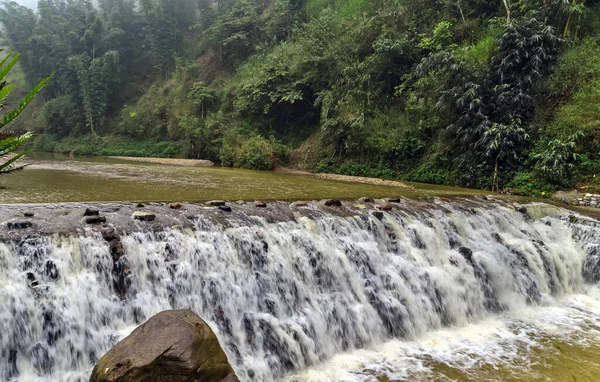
(299,204)
(91,212)
(95,220)
(143,216)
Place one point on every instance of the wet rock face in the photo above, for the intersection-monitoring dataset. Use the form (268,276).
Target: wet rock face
(120,264)
(175,346)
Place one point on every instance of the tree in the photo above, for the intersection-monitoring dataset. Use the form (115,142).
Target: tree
(96,77)
(9,141)
(556,161)
(503,142)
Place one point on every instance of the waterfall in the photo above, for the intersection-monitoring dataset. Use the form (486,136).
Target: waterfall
(284,296)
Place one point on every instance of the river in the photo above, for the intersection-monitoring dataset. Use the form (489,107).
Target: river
(447,290)
(52,178)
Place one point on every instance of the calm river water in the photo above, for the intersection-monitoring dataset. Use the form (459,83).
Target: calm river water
(59,178)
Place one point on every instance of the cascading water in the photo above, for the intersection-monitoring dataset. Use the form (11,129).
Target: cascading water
(283,296)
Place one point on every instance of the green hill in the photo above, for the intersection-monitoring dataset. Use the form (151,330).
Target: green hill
(449,92)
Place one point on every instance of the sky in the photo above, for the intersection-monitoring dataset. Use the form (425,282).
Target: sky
(28,3)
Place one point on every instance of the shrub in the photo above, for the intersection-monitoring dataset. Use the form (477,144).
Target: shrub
(254,153)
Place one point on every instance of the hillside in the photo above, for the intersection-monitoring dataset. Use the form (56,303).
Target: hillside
(501,94)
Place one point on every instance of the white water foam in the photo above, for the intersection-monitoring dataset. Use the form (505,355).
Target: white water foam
(289,296)
(506,341)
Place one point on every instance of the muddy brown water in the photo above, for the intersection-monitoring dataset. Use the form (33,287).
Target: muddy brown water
(56,178)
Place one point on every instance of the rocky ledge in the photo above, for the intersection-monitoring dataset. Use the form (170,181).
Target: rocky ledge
(19,220)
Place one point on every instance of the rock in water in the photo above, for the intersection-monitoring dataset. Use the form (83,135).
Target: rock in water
(19,225)
(174,346)
(91,212)
(333,203)
(143,216)
(95,220)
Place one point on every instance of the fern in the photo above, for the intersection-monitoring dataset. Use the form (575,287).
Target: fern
(9,141)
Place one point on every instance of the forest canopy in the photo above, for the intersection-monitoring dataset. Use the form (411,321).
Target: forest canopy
(501,94)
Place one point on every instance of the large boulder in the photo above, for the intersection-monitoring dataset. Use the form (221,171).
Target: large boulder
(172,346)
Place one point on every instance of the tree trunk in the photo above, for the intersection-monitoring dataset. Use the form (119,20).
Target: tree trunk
(507,11)
(495,183)
(462,15)
(569,21)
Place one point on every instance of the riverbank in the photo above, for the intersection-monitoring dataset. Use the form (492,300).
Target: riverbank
(168,161)
(283,170)
(346,178)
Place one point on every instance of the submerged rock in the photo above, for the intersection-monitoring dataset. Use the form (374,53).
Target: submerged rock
(90,212)
(366,200)
(333,203)
(466,253)
(29,214)
(378,214)
(260,204)
(19,225)
(225,208)
(384,207)
(216,203)
(175,206)
(175,346)
(393,200)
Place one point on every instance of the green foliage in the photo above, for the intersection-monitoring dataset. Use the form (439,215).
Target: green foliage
(556,160)
(10,142)
(108,146)
(254,153)
(356,168)
(345,8)
(530,184)
(440,39)
(443,92)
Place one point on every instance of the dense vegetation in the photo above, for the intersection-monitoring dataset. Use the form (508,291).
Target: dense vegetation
(481,93)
